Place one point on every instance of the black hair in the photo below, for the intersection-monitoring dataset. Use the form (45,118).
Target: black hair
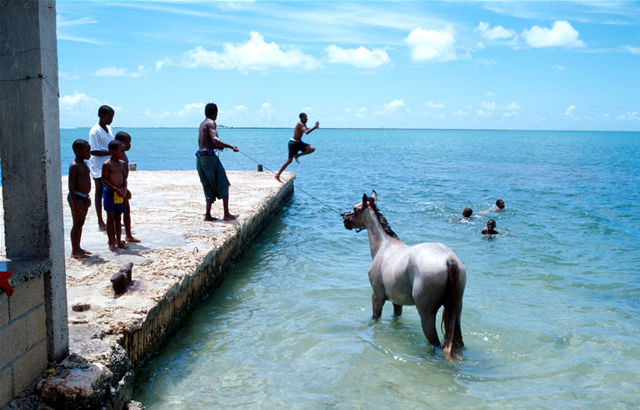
(498,201)
(466,212)
(104,110)
(115,144)
(301,114)
(491,221)
(210,110)
(77,144)
(123,136)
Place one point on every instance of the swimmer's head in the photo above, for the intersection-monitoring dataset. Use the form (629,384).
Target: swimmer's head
(500,203)
(211,111)
(303,117)
(491,224)
(466,212)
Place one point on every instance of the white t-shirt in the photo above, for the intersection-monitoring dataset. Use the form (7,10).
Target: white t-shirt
(99,141)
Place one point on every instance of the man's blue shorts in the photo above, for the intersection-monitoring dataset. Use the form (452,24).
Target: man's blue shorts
(109,201)
(213,177)
(295,147)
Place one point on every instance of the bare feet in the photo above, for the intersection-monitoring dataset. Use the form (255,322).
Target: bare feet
(229,217)
(131,239)
(122,245)
(78,255)
(113,247)
(209,218)
(102,226)
(296,158)
(277,177)
(86,252)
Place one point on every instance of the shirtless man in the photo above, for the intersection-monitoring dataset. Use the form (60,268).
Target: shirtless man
(491,224)
(296,144)
(212,174)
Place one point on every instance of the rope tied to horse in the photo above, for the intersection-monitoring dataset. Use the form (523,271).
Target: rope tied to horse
(296,185)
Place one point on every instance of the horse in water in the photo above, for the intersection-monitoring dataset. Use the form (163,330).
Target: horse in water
(427,275)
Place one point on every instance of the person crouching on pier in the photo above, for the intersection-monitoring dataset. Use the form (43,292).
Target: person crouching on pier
(212,174)
(115,190)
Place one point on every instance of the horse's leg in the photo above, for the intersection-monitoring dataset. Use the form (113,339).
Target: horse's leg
(428,320)
(377,303)
(397,309)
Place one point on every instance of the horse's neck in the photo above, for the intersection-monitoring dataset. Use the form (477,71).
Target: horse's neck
(378,238)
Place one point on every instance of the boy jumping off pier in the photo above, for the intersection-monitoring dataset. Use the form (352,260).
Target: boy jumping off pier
(114,192)
(125,138)
(78,197)
(212,174)
(296,144)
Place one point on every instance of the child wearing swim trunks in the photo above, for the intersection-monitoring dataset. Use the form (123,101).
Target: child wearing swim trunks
(125,138)
(78,197)
(114,192)
(297,147)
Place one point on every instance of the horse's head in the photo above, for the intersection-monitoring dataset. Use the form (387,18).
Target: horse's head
(355,219)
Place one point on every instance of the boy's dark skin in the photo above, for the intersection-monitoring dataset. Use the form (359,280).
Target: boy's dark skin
(466,212)
(500,206)
(208,139)
(126,214)
(301,128)
(80,181)
(113,177)
(489,230)
(105,120)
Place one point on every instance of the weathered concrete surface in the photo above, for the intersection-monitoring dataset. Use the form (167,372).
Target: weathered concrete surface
(179,260)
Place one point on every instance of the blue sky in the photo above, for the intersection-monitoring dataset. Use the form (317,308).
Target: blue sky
(407,64)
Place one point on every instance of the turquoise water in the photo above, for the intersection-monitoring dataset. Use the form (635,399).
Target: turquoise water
(551,309)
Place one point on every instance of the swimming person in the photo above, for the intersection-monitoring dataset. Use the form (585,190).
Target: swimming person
(489,230)
(212,174)
(99,138)
(466,212)
(500,206)
(79,200)
(125,138)
(296,144)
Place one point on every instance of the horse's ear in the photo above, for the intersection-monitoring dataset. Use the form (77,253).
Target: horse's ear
(364,199)
(374,196)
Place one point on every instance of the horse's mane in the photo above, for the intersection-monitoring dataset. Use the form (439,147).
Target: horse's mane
(384,223)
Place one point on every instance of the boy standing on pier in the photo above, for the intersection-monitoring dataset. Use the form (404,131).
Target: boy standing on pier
(296,144)
(99,138)
(78,197)
(125,138)
(212,174)
(114,192)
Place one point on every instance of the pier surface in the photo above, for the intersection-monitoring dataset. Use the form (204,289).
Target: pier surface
(179,260)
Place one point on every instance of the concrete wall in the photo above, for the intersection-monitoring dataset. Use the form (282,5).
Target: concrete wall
(36,329)
(23,353)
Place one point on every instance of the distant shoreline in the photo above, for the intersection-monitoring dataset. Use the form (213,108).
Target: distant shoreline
(326,128)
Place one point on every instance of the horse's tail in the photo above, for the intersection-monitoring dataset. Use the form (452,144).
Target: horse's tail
(450,319)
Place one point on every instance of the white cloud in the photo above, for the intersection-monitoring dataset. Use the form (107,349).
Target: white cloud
(496,33)
(459,113)
(493,106)
(358,57)
(392,107)
(79,102)
(480,45)
(488,106)
(559,67)
(632,50)
(255,54)
(431,45)
(430,104)
(561,35)
(569,110)
(512,106)
(267,110)
(490,94)
(120,72)
(191,109)
(484,63)
(61,22)
(632,116)
(361,113)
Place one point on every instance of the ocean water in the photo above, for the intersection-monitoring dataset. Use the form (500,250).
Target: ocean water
(551,309)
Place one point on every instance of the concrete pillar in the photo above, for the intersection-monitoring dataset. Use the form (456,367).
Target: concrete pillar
(30,151)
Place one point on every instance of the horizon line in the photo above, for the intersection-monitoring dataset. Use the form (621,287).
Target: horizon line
(357,128)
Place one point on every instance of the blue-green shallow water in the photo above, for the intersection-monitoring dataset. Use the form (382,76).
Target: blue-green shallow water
(551,311)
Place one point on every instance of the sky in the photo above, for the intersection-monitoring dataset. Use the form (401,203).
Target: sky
(403,64)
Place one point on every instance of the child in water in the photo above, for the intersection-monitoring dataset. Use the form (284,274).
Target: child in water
(489,230)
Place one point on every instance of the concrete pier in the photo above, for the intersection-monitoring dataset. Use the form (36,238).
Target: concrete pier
(179,260)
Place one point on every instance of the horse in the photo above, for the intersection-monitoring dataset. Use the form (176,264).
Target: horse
(427,275)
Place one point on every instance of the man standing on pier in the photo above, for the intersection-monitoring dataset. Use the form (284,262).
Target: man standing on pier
(212,174)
